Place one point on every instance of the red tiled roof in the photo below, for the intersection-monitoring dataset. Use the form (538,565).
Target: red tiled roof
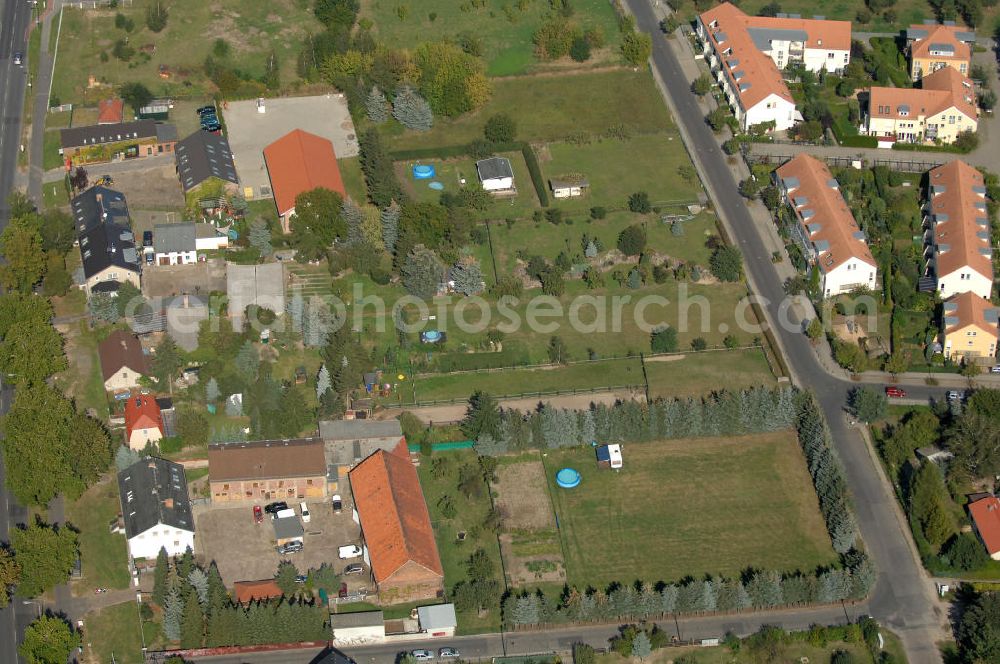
(119,350)
(970,309)
(957,198)
(938,92)
(986,514)
(142,412)
(299,162)
(247,591)
(941,35)
(821,194)
(110,111)
(394,517)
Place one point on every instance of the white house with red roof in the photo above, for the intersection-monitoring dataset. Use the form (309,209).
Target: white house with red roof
(143,421)
(985,514)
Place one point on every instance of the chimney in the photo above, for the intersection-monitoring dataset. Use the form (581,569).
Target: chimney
(169,503)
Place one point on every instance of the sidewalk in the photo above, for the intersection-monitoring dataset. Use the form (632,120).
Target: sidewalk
(40,105)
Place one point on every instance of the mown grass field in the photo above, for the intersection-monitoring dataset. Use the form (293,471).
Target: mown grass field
(689,507)
(471,513)
(252,29)
(697,374)
(551,108)
(104,555)
(115,631)
(505,28)
(908,12)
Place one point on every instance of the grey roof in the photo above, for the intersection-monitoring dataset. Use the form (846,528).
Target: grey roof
(916,33)
(354,429)
(762,37)
(564,184)
(183,319)
(154,491)
(106,246)
(174,238)
(98,205)
(942,48)
(288,528)
(263,285)
(203,155)
(166,133)
(437,616)
(332,656)
(964,35)
(494,167)
(75,137)
(357,619)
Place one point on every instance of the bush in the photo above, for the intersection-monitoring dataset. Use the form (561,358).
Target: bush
(664,340)
(580,49)
(639,203)
(726,264)
(500,128)
(156,16)
(632,240)
(531,161)
(598,212)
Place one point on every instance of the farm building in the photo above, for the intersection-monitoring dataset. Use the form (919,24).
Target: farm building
(267,470)
(495,174)
(156,508)
(568,187)
(104,142)
(205,165)
(299,162)
(609,456)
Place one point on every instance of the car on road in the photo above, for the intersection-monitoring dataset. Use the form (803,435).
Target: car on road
(274,508)
(995,369)
(289,547)
(422,655)
(955,395)
(894,392)
(349,551)
(354,568)
(338,504)
(258,514)
(304,509)
(18,58)
(449,653)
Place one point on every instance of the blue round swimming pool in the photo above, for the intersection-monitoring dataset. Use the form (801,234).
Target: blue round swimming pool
(436,186)
(423,172)
(568,478)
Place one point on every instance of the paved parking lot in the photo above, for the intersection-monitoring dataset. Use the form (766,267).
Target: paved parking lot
(245,551)
(249,132)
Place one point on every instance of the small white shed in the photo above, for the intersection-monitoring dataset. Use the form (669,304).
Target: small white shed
(437,620)
(609,456)
(495,174)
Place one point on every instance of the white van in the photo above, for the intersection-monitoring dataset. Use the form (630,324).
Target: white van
(304,510)
(349,551)
(285,514)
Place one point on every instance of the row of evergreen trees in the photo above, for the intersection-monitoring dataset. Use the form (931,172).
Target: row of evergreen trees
(754,410)
(757,590)
(198,612)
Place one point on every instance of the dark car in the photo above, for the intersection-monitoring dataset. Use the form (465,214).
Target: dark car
(147,238)
(338,504)
(274,508)
(210,118)
(212,128)
(18,58)
(301,578)
(354,568)
(150,258)
(206,109)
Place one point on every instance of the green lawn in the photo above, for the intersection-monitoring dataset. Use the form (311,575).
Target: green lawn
(690,507)
(504,28)
(354,179)
(615,169)
(552,108)
(54,195)
(471,513)
(114,632)
(700,373)
(908,12)
(450,173)
(251,29)
(104,556)
(50,145)
(587,375)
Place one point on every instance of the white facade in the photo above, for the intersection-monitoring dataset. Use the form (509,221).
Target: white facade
(148,544)
(773,108)
(211,243)
(498,184)
(141,437)
(964,280)
(848,276)
(177,258)
(813,59)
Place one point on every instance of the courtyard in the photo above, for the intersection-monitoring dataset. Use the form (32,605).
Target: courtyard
(245,551)
(250,131)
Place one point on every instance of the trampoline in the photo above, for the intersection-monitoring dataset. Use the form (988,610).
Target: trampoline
(436,186)
(567,478)
(423,172)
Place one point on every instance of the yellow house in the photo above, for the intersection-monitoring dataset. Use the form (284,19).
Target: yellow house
(933,47)
(969,328)
(939,111)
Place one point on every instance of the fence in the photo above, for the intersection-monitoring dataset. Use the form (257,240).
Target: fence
(527,395)
(901,165)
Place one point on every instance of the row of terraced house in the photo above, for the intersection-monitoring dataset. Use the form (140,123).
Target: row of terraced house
(748,55)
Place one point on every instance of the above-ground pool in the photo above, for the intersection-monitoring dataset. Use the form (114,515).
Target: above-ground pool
(436,186)
(567,478)
(423,172)
(431,336)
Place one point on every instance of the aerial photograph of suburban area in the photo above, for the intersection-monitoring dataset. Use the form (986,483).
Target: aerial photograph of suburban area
(499,331)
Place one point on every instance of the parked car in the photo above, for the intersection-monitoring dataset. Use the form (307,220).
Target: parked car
(209,119)
(289,547)
(338,504)
(301,578)
(349,551)
(147,238)
(150,257)
(895,392)
(449,653)
(214,129)
(258,514)
(274,508)
(422,655)
(206,109)
(304,509)
(995,369)
(955,395)
(342,593)
(354,568)
(287,513)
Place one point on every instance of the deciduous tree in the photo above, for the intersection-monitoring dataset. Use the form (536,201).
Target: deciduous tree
(48,640)
(46,555)
(317,221)
(422,272)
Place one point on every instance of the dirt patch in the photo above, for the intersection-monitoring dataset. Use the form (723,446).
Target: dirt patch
(455,412)
(523,499)
(546,565)
(155,187)
(665,358)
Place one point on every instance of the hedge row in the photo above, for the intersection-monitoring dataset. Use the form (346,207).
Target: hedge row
(450,151)
(858,142)
(536,174)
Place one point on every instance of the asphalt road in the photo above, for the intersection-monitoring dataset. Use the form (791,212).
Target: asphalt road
(903,597)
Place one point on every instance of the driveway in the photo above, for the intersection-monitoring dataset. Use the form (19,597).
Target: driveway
(903,597)
(245,550)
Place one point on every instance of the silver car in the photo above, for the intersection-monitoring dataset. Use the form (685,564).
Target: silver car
(422,655)
(449,653)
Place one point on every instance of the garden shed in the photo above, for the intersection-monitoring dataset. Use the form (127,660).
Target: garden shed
(609,456)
